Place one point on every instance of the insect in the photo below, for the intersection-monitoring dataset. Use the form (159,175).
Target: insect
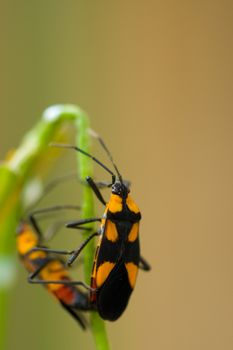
(49,270)
(117,257)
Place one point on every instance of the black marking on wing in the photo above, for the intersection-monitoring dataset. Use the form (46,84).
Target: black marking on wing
(132,252)
(124,215)
(108,251)
(113,251)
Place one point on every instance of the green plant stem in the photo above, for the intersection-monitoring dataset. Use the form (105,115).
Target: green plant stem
(85,168)
(14,174)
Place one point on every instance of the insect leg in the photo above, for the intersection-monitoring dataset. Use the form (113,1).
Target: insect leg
(76,252)
(78,223)
(103,184)
(95,189)
(73,253)
(34,221)
(107,184)
(54,209)
(32,280)
(144,265)
(63,282)
(56,226)
(54,251)
(32,275)
(53,184)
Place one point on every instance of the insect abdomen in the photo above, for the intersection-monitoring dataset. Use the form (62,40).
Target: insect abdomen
(114,295)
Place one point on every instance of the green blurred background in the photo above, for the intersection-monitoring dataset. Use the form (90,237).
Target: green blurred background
(156,79)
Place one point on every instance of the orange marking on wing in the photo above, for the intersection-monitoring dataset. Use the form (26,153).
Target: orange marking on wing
(103,271)
(115,203)
(132,270)
(133,235)
(111,231)
(132,205)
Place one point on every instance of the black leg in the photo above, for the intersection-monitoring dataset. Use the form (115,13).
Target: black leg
(63,282)
(53,184)
(99,184)
(106,184)
(32,275)
(103,184)
(78,251)
(34,221)
(32,280)
(52,230)
(144,265)
(49,250)
(74,253)
(54,209)
(78,223)
(95,189)
(56,226)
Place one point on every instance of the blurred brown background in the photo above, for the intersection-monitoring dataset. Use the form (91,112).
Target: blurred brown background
(156,79)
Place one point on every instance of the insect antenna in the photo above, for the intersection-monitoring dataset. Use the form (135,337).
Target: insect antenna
(62,145)
(101,141)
